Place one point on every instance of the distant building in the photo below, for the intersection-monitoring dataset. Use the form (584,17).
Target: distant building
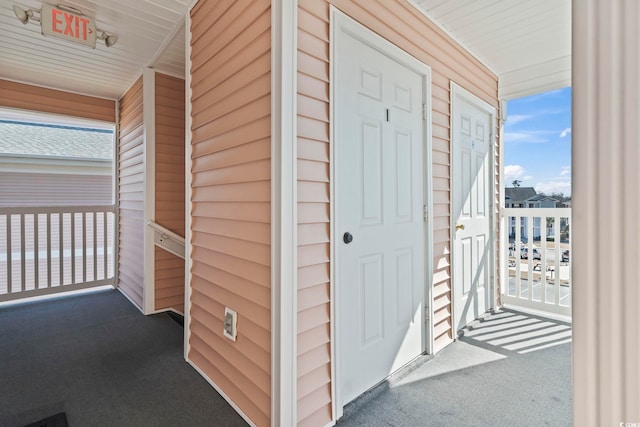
(527,197)
(516,197)
(53,165)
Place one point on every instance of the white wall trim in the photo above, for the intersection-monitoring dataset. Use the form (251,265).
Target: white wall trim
(149,125)
(336,410)
(188,181)
(284,241)
(342,23)
(457,91)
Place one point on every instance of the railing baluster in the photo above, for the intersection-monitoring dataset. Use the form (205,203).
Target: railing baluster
(23,254)
(543,259)
(105,254)
(36,255)
(48,250)
(518,254)
(557,260)
(9,256)
(61,246)
(84,247)
(530,255)
(95,245)
(73,248)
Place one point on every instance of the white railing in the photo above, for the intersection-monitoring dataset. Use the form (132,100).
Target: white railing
(45,250)
(536,259)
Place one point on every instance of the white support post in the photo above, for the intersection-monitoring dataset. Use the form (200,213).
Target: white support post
(606,202)
(284,213)
(149,124)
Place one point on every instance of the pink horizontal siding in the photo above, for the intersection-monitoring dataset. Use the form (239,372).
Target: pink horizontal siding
(169,187)
(36,98)
(231,198)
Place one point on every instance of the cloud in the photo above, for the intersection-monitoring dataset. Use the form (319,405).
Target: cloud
(513,172)
(517,118)
(566,171)
(565,132)
(554,186)
(531,137)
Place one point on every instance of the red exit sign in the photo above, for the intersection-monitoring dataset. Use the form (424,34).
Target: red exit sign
(68,25)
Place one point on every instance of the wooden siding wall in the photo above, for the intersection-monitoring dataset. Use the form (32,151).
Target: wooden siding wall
(36,98)
(53,189)
(403,25)
(231,193)
(131,194)
(170,187)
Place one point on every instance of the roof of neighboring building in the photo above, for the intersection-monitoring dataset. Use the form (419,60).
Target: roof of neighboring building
(519,194)
(43,140)
(539,197)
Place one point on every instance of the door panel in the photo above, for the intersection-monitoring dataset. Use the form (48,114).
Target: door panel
(380,280)
(371,297)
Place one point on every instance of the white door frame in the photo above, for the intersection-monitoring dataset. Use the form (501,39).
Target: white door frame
(340,22)
(459,91)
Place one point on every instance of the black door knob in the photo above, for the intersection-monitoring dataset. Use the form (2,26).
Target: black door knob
(347,238)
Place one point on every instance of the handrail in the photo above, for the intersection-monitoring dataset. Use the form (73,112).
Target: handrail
(167,239)
(537,212)
(30,210)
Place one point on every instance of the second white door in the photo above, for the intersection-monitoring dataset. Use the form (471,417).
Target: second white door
(472,204)
(380,277)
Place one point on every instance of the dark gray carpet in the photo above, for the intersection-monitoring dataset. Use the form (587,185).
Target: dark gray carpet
(509,369)
(98,359)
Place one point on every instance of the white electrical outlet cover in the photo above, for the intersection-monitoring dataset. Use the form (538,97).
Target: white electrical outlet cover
(230,324)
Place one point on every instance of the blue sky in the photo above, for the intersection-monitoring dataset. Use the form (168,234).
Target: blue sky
(537,137)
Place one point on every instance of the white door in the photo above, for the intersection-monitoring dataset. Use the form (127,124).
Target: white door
(472,205)
(380,279)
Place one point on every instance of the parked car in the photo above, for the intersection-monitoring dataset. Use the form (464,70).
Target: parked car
(524,254)
(565,255)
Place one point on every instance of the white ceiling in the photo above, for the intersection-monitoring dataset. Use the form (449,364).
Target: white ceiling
(144,27)
(526,42)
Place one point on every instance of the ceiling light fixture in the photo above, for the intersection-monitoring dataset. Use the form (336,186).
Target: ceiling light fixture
(24,15)
(109,39)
